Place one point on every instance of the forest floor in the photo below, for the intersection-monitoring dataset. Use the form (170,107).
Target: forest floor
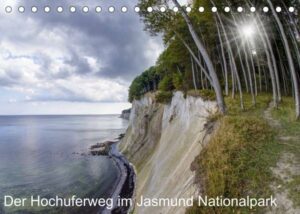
(287,170)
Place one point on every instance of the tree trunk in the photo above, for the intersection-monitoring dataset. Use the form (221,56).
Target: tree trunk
(250,77)
(259,74)
(272,58)
(240,58)
(201,73)
(193,71)
(290,61)
(208,62)
(233,67)
(194,57)
(253,70)
(224,59)
(270,67)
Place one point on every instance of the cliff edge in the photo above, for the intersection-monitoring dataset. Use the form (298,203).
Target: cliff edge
(125,114)
(162,141)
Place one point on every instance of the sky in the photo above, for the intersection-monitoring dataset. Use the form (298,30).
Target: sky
(71,63)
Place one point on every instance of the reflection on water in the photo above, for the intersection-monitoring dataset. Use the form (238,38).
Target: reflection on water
(43,155)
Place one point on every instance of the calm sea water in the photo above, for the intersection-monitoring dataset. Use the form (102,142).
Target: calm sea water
(44,155)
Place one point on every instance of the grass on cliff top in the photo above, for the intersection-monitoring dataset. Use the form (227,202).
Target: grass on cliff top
(205,94)
(236,163)
(285,113)
(165,97)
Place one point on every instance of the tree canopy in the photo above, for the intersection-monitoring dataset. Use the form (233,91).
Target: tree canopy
(228,52)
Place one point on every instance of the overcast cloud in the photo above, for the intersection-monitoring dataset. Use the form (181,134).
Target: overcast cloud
(69,57)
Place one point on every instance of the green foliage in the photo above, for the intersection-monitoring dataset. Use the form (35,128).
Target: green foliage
(143,83)
(178,81)
(174,64)
(236,163)
(290,128)
(292,186)
(238,159)
(205,94)
(286,114)
(262,102)
(166,84)
(135,89)
(164,97)
(180,46)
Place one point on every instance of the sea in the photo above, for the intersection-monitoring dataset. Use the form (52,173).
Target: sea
(48,156)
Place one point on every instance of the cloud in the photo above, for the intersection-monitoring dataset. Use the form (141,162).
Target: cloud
(12,100)
(74,57)
(83,90)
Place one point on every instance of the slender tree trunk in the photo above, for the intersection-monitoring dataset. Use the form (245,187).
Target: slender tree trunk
(201,73)
(270,67)
(241,61)
(273,60)
(208,62)
(233,85)
(259,74)
(224,59)
(193,71)
(250,77)
(283,79)
(290,60)
(233,67)
(194,57)
(221,65)
(295,45)
(244,72)
(266,80)
(197,76)
(253,70)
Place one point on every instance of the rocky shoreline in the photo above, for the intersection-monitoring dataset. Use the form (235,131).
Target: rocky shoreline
(125,185)
(101,148)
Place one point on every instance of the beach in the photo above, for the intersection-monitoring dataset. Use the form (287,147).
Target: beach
(125,184)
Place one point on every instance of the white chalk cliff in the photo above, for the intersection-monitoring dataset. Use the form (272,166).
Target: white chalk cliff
(162,141)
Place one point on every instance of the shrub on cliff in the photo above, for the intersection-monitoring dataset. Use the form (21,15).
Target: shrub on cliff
(164,97)
(166,84)
(178,81)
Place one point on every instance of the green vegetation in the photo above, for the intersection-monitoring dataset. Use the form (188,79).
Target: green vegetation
(290,129)
(227,53)
(293,189)
(237,161)
(286,115)
(166,84)
(143,83)
(164,97)
(212,55)
(205,94)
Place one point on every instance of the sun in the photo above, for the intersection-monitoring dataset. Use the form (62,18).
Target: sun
(247,31)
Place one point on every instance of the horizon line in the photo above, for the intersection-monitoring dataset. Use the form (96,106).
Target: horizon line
(4,115)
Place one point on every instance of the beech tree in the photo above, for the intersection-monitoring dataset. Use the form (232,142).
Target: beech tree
(162,23)
(245,52)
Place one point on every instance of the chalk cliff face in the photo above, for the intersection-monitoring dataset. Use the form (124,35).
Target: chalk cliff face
(125,114)
(162,141)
